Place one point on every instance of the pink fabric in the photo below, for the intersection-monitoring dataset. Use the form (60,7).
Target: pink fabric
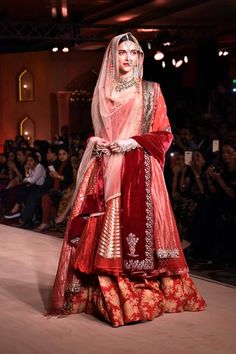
(115,116)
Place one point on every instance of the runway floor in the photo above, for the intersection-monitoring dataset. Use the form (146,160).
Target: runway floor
(27,269)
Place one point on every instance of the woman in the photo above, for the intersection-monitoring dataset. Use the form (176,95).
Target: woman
(35,175)
(213,228)
(62,179)
(121,258)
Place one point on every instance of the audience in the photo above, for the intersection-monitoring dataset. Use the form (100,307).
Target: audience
(34,178)
(202,188)
(62,179)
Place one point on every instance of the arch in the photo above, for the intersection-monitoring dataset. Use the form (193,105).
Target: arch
(27,129)
(25,86)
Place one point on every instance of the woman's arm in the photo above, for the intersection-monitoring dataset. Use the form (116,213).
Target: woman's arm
(36,175)
(229,191)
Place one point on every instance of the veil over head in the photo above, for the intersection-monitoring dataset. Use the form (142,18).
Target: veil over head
(105,104)
(115,116)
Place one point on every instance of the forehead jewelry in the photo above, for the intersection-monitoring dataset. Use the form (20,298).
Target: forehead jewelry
(128,43)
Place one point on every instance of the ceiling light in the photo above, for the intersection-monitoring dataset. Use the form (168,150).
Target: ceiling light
(166,44)
(65,50)
(178,63)
(159,55)
(149,45)
(163,64)
(55,49)
(54,11)
(147,30)
(225,53)
(173,62)
(185,59)
(220,53)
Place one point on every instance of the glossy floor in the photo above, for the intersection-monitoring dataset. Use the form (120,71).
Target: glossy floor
(28,266)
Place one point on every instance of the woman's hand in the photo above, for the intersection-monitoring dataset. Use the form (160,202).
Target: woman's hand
(216,176)
(123,145)
(102,146)
(53,174)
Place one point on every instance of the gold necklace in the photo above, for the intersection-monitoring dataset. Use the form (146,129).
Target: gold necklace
(122,85)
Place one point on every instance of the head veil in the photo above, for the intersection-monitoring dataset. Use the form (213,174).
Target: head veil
(105,105)
(114,116)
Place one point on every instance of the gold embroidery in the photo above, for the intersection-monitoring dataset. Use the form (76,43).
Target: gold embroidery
(148,100)
(110,240)
(148,262)
(132,240)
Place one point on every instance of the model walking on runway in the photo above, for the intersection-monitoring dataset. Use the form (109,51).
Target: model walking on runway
(121,258)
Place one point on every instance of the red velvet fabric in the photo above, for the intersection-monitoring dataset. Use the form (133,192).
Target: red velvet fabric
(156,144)
(133,211)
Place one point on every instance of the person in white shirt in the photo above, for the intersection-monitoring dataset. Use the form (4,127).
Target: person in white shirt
(35,175)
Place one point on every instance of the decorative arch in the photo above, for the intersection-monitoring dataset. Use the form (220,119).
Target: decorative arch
(25,86)
(27,129)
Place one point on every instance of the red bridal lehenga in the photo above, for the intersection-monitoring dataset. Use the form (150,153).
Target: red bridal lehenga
(121,258)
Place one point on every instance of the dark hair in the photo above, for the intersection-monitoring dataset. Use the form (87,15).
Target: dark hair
(53,149)
(126,37)
(230,142)
(63,147)
(20,149)
(33,156)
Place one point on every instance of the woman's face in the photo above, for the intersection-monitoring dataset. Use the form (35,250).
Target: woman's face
(127,57)
(228,154)
(198,159)
(3,159)
(11,156)
(63,155)
(179,160)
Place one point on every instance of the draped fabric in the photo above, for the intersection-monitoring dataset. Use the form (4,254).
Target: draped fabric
(121,257)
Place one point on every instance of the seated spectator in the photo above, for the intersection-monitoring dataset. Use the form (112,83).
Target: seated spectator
(62,179)
(184,140)
(213,230)
(188,186)
(65,203)
(3,170)
(32,210)
(35,175)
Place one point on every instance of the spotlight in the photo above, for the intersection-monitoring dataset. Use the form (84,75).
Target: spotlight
(220,53)
(64,8)
(173,62)
(54,11)
(186,59)
(225,53)
(149,45)
(178,63)
(65,50)
(163,64)
(55,49)
(166,44)
(159,55)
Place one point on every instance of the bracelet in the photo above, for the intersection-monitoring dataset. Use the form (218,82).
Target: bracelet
(97,153)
